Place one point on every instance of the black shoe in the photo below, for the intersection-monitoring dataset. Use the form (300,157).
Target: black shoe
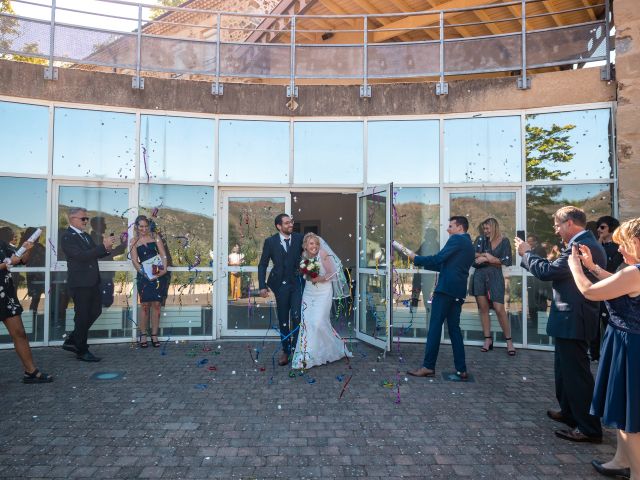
(88,357)
(576,435)
(611,472)
(70,347)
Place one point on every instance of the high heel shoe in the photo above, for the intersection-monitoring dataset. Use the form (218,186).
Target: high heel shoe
(510,351)
(142,344)
(156,342)
(490,347)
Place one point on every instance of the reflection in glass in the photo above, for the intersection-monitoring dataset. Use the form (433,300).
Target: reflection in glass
(250,223)
(328,152)
(482,150)
(539,297)
(114,322)
(23,208)
(30,292)
(373,306)
(372,232)
(24,136)
(252,151)
(167,144)
(405,151)
(543,201)
(412,303)
(107,210)
(106,148)
(416,221)
(183,217)
(569,145)
(250,311)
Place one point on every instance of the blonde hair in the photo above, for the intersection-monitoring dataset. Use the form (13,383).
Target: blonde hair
(495,227)
(626,232)
(308,237)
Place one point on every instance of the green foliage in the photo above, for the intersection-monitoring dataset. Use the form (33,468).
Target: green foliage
(547,146)
(9,32)
(156,12)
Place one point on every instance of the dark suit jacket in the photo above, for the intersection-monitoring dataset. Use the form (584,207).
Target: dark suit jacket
(82,259)
(285,264)
(572,316)
(453,262)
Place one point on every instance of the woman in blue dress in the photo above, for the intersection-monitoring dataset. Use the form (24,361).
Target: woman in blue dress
(145,250)
(616,396)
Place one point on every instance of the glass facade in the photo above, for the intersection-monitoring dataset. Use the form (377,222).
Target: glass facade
(518,167)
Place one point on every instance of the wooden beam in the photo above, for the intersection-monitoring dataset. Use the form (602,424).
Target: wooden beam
(589,12)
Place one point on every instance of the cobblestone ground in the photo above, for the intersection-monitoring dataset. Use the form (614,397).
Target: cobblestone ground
(207,410)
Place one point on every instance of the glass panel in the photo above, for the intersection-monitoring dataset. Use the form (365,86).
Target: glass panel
(116,319)
(187,309)
(412,303)
(246,309)
(106,148)
(24,136)
(394,60)
(498,53)
(250,223)
(177,55)
(543,201)
(482,150)
(255,60)
(95,46)
(30,290)
(373,230)
(107,210)
(183,215)
(403,151)
(328,61)
(416,214)
(564,45)
(569,145)
(23,208)
(478,206)
(539,296)
(328,152)
(167,142)
(254,151)
(373,306)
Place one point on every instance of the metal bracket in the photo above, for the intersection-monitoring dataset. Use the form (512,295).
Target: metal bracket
(137,83)
(524,83)
(51,73)
(217,89)
(606,74)
(442,88)
(289,93)
(365,91)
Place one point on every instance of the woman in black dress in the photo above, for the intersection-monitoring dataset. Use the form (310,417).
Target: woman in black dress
(493,250)
(11,310)
(151,284)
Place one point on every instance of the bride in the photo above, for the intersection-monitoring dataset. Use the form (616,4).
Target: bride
(318,343)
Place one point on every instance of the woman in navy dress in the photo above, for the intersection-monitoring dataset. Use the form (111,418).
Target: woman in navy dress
(616,396)
(11,311)
(151,287)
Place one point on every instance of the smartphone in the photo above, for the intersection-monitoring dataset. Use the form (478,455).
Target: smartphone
(520,234)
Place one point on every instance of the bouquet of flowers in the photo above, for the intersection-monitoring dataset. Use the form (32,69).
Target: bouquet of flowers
(309,268)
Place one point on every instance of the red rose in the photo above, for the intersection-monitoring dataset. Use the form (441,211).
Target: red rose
(313,274)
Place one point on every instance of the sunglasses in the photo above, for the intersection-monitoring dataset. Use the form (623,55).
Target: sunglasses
(602,227)
(84,219)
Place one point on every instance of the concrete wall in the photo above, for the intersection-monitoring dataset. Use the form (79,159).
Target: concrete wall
(627,20)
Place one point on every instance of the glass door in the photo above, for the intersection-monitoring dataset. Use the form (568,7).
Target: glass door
(374,266)
(247,219)
(109,210)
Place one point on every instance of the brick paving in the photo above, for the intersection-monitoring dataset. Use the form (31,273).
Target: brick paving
(194,413)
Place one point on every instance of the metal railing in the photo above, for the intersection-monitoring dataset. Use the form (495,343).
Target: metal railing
(223,47)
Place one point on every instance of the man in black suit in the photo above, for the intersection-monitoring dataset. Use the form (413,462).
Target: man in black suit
(283,249)
(573,322)
(83,280)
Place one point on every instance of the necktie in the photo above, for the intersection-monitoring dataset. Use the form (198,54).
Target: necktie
(84,237)
(286,242)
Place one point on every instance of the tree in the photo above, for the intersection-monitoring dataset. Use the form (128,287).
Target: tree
(9,32)
(547,146)
(156,12)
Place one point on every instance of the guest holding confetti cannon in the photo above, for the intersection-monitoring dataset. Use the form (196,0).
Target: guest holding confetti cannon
(149,258)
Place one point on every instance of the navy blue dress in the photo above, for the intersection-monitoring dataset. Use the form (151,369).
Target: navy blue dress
(9,303)
(150,290)
(616,396)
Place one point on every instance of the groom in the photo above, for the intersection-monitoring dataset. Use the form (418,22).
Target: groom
(283,249)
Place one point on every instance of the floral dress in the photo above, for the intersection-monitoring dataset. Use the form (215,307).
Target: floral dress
(9,303)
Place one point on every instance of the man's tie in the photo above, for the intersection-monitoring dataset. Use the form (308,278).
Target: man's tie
(85,237)
(286,242)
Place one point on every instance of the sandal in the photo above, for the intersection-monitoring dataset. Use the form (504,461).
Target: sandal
(37,377)
(490,347)
(511,352)
(156,342)
(142,344)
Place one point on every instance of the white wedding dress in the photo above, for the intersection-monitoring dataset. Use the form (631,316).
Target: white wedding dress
(318,343)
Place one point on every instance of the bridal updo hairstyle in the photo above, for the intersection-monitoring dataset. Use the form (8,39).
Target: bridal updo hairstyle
(308,238)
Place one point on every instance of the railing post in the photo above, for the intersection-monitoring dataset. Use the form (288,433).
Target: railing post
(292,90)
(524,82)
(365,89)
(605,72)
(217,88)
(138,82)
(442,87)
(51,72)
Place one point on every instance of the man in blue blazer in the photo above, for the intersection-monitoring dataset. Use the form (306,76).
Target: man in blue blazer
(453,262)
(573,322)
(283,249)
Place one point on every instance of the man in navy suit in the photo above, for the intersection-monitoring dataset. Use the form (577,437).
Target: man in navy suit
(283,249)
(573,322)
(453,262)
(83,280)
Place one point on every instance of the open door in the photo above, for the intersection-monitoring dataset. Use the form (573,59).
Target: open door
(373,270)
